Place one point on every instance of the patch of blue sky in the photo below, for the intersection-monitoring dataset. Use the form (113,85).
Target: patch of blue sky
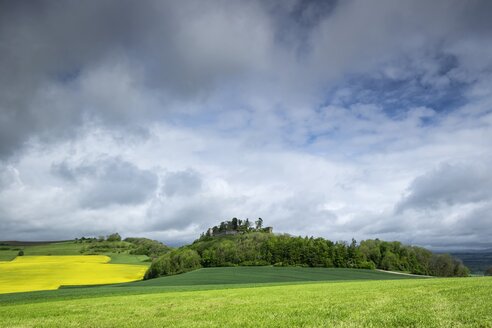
(395,96)
(68,76)
(409,83)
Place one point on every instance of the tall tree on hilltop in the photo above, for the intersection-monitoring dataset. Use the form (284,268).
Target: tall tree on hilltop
(259,223)
(234,224)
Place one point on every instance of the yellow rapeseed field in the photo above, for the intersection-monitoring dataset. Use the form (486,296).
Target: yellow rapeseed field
(29,273)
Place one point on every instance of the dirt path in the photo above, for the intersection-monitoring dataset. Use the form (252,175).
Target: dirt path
(405,274)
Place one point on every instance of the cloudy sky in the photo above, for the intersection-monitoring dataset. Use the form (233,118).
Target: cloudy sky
(337,119)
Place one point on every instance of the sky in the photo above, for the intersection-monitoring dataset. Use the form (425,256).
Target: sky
(336,119)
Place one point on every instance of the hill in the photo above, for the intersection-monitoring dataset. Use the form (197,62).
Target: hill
(477,261)
(128,251)
(237,243)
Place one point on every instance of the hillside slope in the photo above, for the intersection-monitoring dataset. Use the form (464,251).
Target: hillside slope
(266,274)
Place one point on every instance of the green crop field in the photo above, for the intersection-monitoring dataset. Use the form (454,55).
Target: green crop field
(57,248)
(122,258)
(451,302)
(266,274)
(7,254)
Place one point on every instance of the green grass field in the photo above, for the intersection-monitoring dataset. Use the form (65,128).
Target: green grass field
(457,302)
(7,254)
(56,248)
(266,274)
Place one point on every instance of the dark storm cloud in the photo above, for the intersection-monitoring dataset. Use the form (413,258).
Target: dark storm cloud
(189,48)
(43,41)
(182,49)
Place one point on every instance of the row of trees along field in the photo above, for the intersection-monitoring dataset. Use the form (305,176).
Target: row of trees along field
(255,245)
(114,244)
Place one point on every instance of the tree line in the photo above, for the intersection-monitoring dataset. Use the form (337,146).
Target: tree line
(113,243)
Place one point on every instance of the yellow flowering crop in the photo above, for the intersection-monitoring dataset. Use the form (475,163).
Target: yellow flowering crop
(29,273)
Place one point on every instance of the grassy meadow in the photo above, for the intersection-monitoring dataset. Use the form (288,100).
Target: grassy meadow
(443,302)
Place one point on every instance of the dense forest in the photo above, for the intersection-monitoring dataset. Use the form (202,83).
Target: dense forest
(258,246)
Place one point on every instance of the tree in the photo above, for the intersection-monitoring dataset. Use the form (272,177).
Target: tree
(114,237)
(442,265)
(234,223)
(144,246)
(21,253)
(259,223)
(488,272)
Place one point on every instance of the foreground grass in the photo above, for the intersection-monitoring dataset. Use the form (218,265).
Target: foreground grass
(30,273)
(392,303)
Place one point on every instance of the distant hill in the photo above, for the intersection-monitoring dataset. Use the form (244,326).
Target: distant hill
(129,250)
(29,243)
(477,261)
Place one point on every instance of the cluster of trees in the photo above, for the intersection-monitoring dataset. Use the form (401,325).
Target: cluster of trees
(396,256)
(259,248)
(236,225)
(174,262)
(281,250)
(114,244)
(111,237)
(105,246)
(149,247)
